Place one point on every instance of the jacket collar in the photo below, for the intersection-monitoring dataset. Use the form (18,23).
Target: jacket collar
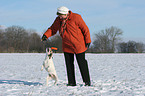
(70,14)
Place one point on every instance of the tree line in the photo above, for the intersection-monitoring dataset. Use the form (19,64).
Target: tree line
(110,41)
(17,39)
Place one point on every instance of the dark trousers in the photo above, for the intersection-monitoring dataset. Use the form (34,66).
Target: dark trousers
(83,66)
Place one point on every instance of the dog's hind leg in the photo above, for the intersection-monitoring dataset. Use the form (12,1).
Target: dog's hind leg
(42,68)
(56,79)
(47,79)
(55,82)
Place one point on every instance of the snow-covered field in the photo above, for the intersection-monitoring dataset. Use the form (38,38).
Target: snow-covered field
(111,75)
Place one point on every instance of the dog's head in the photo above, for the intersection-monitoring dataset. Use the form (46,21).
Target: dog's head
(49,51)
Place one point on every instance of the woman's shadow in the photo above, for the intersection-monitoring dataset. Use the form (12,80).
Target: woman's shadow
(20,82)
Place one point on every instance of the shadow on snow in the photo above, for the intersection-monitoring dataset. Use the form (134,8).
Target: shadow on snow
(19,82)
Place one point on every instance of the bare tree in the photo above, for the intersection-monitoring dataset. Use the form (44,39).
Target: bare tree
(101,44)
(35,44)
(140,47)
(1,40)
(15,36)
(131,47)
(122,47)
(114,34)
(106,39)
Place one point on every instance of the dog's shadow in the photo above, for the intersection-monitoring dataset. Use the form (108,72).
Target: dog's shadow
(20,82)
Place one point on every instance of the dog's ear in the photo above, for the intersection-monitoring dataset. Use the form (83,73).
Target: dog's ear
(47,49)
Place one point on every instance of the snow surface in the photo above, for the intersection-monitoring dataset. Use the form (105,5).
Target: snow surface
(111,75)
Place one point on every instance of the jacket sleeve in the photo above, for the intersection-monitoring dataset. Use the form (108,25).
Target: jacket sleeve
(84,28)
(53,29)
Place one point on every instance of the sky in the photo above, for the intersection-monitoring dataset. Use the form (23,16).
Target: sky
(127,15)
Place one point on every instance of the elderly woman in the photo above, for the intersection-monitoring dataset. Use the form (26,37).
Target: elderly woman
(75,40)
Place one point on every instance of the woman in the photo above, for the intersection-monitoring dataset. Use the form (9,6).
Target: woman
(75,40)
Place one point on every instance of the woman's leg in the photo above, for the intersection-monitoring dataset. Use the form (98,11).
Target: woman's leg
(69,60)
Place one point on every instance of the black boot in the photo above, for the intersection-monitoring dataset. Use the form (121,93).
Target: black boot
(71,84)
(87,84)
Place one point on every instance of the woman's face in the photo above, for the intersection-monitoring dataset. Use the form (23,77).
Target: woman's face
(62,16)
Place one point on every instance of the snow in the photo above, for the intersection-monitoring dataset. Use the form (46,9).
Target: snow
(111,75)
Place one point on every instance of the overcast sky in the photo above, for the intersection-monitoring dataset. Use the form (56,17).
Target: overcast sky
(128,15)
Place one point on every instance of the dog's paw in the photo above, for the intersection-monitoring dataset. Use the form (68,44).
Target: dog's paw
(41,68)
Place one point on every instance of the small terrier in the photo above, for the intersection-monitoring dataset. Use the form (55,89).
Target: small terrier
(49,66)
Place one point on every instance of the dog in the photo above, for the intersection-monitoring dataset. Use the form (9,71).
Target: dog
(49,66)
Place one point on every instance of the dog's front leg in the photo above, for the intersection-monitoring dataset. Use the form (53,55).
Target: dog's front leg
(42,68)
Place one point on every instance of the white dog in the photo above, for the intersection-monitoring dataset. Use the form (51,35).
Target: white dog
(49,67)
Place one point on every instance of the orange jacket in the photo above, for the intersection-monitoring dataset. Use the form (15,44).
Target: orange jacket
(75,36)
